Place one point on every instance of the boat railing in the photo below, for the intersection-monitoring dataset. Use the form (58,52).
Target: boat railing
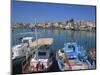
(60,62)
(25,62)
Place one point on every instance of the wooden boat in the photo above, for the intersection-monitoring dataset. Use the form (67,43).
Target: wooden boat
(72,57)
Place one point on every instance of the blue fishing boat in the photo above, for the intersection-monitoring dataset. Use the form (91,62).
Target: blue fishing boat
(72,57)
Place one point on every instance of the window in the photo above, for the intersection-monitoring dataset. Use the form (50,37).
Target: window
(42,53)
(25,41)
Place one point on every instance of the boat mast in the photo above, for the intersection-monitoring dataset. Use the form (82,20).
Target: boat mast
(36,40)
(36,33)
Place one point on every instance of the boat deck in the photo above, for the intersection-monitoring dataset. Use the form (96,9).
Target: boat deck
(76,66)
(32,69)
(72,64)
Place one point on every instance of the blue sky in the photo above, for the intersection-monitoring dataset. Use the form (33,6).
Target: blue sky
(27,11)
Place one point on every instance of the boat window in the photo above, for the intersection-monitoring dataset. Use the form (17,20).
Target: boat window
(44,47)
(72,58)
(42,53)
(25,41)
(71,47)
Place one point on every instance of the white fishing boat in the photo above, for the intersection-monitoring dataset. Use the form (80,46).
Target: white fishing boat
(72,57)
(21,49)
(40,58)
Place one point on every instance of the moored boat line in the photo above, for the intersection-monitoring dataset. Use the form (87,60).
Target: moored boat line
(71,57)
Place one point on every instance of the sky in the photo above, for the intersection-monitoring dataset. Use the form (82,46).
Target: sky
(50,12)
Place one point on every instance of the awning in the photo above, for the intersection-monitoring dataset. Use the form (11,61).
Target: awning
(41,41)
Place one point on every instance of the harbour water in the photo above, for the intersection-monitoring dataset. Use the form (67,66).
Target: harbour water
(83,38)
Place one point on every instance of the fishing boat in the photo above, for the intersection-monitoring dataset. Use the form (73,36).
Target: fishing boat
(40,58)
(72,57)
(21,49)
(92,53)
(92,57)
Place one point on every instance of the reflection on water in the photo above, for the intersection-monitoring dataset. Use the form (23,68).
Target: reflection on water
(83,38)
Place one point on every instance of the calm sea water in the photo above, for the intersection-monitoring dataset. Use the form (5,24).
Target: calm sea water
(82,38)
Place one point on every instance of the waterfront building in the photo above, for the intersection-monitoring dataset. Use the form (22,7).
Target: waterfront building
(56,24)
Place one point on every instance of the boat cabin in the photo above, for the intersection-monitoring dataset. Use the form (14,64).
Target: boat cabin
(22,48)
(19,50)
(42,56)
(28,40)
(71,50)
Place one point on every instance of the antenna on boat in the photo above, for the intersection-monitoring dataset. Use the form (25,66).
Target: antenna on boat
(36,32)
